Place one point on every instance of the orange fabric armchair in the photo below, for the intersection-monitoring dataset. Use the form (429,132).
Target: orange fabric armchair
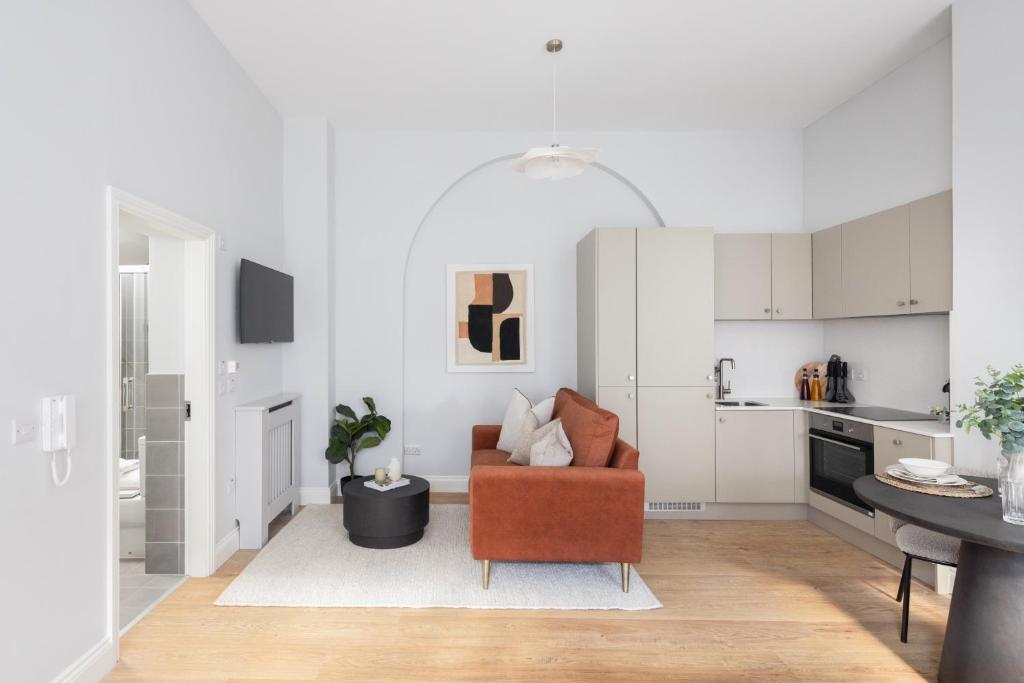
(580,513)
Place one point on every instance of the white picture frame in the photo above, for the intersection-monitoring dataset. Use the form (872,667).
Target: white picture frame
(452,330)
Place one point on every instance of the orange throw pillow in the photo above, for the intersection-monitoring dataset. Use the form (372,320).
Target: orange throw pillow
(591,430)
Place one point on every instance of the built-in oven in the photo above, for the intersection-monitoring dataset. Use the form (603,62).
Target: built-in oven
(841,451)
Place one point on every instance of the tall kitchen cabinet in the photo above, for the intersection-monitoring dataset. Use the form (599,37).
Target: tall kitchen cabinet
(645,318)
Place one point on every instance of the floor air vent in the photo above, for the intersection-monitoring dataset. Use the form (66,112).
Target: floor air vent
(675,507)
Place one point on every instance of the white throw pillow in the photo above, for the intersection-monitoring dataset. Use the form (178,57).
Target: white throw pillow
(553,449)
(531,433)
(516,412)
(543,410)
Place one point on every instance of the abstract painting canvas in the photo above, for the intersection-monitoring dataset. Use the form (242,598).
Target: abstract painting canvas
(489,318)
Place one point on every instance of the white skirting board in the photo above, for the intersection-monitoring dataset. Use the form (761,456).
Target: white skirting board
(226,547)
(448,483)
(314,495)
(93,666)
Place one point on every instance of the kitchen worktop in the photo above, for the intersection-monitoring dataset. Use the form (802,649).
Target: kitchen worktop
(932,428)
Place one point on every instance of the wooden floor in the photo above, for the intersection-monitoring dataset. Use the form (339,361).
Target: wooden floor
(765,601)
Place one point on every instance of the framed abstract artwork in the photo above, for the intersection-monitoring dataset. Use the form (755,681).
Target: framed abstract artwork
(490,318)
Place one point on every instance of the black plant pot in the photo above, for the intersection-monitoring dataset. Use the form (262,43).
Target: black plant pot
(344,480)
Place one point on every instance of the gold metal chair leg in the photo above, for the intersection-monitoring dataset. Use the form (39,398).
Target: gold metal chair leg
(625,577)
(487,573)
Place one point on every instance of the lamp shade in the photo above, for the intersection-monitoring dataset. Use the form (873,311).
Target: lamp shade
(555,162)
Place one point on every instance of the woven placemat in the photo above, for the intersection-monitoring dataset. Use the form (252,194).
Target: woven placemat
(968,490)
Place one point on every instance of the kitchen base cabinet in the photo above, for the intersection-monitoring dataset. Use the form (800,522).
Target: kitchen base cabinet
(622,402)
(890,446)
(676,432)
(754,457)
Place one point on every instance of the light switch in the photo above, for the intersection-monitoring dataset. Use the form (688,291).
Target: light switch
(22,431)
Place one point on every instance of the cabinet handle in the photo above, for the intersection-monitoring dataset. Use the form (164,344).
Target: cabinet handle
(897,442)
(632,378)
(914,302)
(631,396)
(721,419)
(901,303)
(779,311)
(711,378)
(768,310)
(708,395)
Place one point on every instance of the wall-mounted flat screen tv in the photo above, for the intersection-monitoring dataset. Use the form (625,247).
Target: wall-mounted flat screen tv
(265,304)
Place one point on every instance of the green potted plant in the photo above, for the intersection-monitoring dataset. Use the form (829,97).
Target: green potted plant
(998,413)
(351,434)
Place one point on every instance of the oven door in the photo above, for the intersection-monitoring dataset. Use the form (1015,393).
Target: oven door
(836,464)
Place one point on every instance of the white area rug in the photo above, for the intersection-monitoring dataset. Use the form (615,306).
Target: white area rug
(311,563)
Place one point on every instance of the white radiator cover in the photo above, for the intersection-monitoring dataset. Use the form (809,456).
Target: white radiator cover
(266,464)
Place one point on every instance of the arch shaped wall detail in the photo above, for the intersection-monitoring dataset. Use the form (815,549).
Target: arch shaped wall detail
(620,178)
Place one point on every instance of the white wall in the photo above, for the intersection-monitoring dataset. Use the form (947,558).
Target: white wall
(986,326)
(165,297)
(141,96)
(745,180)
(767,354)
(309,258)
(886,146)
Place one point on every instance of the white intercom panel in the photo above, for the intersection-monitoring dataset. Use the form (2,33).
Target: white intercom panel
(57,423)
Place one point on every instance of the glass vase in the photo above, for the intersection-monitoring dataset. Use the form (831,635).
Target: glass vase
(1013,487)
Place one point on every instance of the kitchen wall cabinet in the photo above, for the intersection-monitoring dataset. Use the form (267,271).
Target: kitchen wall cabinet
(754,456)
(763,276)
(827,273)
(791,276)
(645,335)
(876,264)
(743,277)
(676,438)
(931,254)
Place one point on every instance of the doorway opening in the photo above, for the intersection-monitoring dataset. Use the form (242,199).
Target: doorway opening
(161,401)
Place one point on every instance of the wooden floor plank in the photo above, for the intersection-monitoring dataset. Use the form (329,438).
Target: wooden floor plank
(766,601)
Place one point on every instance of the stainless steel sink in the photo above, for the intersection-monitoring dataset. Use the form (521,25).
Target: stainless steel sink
(738,404)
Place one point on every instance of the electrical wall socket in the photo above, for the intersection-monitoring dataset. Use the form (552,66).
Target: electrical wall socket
(22,431)
(859,375)
(413,450)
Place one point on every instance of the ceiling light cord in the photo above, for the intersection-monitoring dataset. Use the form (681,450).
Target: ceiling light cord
(554,102)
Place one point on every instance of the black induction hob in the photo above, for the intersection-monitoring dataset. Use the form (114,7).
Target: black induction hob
(879,414)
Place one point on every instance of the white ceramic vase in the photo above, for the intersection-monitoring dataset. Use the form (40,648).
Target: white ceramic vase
(395,469)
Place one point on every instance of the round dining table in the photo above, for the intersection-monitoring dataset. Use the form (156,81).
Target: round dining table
(985,631)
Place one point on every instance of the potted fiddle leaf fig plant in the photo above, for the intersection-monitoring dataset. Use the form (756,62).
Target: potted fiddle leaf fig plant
(351,434)
(998,413)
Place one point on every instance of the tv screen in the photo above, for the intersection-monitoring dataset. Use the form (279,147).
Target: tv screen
(265,304)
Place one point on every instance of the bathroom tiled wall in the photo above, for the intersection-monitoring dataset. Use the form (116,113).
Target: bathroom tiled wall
(134,360)
(165,474)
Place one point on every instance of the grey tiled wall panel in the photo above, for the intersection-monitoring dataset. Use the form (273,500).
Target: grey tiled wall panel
(165,474)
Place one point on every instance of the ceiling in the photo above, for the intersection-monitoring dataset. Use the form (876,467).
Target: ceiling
(627,64)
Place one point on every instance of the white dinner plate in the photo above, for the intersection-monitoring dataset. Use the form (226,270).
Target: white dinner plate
(945,480)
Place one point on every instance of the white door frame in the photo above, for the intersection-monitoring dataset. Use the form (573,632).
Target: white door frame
(200,261)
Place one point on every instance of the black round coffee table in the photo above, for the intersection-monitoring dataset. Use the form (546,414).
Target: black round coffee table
(385,519)
(986,613)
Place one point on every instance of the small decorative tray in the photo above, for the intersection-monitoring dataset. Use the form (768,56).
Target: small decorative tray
(969,489)
(387,486)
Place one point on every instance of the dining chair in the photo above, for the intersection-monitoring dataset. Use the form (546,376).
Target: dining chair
(917,543)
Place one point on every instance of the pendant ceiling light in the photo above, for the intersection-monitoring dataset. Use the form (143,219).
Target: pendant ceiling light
(554,162)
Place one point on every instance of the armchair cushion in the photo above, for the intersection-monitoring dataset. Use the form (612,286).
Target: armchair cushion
(490,456)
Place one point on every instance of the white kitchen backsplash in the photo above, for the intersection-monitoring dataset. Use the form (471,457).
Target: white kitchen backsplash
(768,353)
(904,360)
